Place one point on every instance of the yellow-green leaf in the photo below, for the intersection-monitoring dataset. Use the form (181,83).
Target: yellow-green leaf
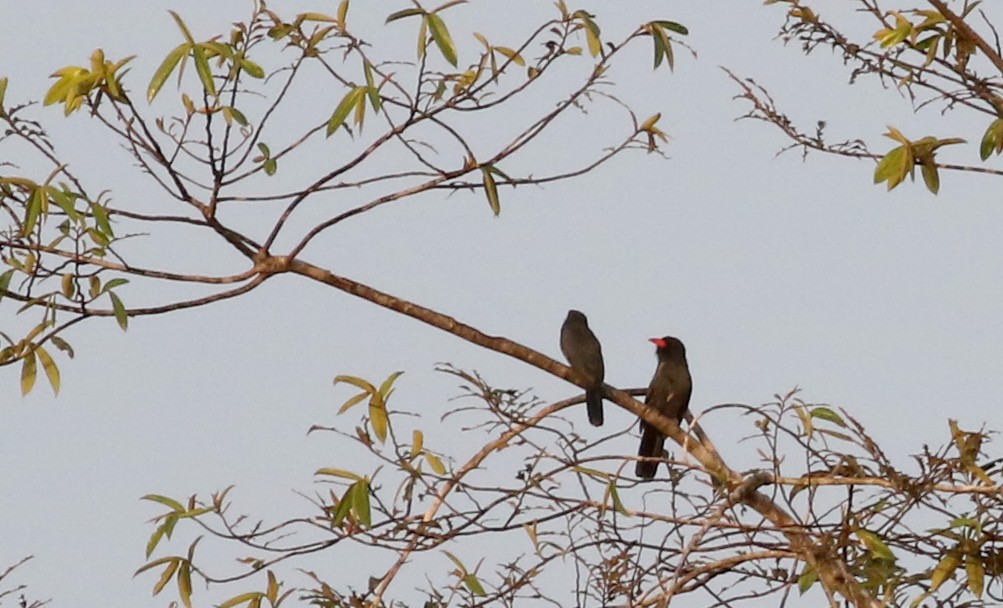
(614,495)
(678,28)
(164,500)
(61,344)
(360,504)
(408,12)
(68,286)
(185,584)
(511,54)
(184,28)
(203,69)
(50,368)
(272,591)
(875,545)
(663,48)
(29,371)
(491,190)
(992,141)
(435,463)
(385,388)
(357,382)
(417,443)
(339,473)
(474,585)
(441,37)
(166,68)
(807,579)
(976,575)
(930,176)
(121,315)
(894,167)
(343,15)
(592,32)
(378,418)
(351,99)
(827,414)
(166,575)
(243,598)
(352,402)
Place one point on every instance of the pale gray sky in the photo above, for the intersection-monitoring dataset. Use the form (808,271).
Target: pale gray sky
(775,272)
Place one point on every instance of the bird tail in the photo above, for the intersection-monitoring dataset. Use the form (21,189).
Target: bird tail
(593,401)
(651,447)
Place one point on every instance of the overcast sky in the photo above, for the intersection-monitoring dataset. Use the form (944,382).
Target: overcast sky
(776,273)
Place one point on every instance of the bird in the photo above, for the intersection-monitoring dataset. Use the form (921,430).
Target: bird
(669,393)
(582,350)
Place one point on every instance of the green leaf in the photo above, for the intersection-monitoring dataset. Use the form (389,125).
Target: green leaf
(894,167)
(339,473)
(491,190)
(614,495)
(930,176)
(155,538)
(440,34)
(474,585)
(203,69)
(184,28)
(360,504)
(423,40)
(29,371)
(348,103)
(807,579)
(270,166)
(36,206)
(663,48)
(592,32)
(5,279)
(3,93)
(511,54)
(166,69)
(827,414)
(121,315)
(875,545)
(456,561)
(251,69)
(992,141)
(50,367)
(112,284)
(408,12)
(63,345)
(385,388)
(672,26)
(371,89)
(344,507)
(170,503)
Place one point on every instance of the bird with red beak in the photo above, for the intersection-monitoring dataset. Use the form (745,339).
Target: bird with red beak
(669,393)
(582,350)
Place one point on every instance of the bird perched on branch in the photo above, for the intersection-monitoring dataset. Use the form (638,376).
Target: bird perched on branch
(583,352)
(669,393)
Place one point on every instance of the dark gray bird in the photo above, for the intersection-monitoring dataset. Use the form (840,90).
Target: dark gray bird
(669,393)
(583,352)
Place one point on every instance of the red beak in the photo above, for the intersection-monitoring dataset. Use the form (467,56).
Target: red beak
(659,342)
